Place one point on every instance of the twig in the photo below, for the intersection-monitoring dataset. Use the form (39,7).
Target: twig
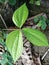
(8,29)
(3,21)
(35,16)
(45,54)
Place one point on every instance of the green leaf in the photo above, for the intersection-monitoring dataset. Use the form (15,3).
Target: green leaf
(37,2)
(39,24)
(43,18)
(44,25)
(36,19)
(31,2)
(12,2)
(20,15)
(4,59)
(14,43)
(2,1)
(35,36)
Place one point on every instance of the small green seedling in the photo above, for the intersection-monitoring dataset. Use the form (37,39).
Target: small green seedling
(41,21)
(14,41)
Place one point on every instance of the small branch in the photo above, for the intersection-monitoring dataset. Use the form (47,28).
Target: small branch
(45,54)
(3,21)
(8,29)
(35,16)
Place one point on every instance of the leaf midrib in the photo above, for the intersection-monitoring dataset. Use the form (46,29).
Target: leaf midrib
(35,36)
(15,43)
